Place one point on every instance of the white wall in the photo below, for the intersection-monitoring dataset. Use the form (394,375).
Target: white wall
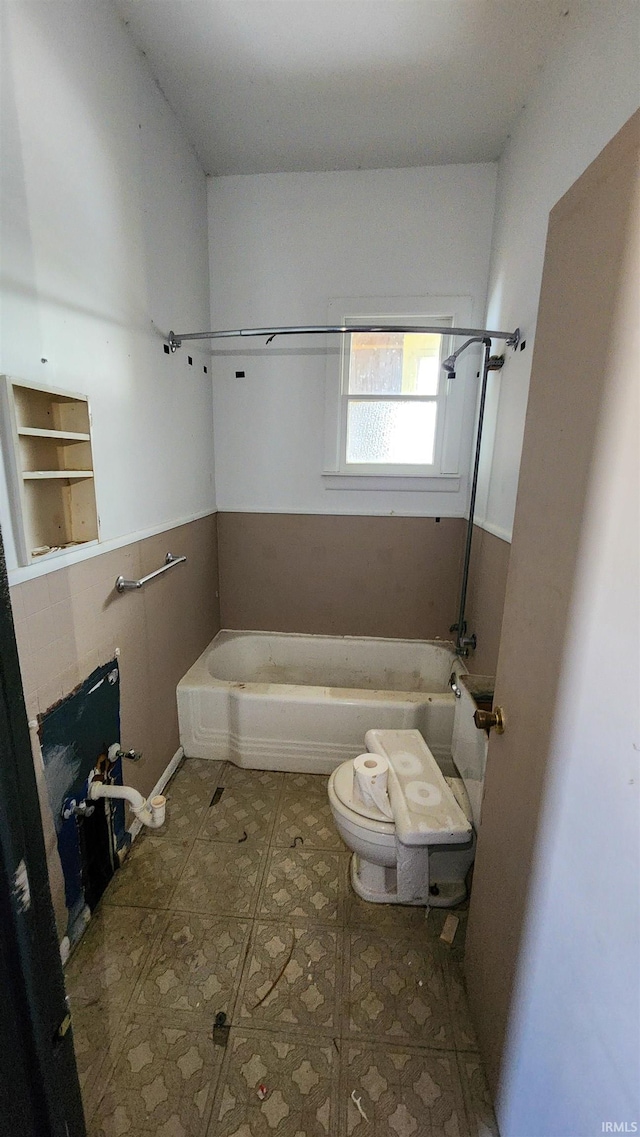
(283,245)
(587,89)
(573,1060)
(104,249)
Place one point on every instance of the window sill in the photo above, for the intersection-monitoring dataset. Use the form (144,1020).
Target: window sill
(419,483)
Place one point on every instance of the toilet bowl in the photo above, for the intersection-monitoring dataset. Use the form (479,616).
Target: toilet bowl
(421,856)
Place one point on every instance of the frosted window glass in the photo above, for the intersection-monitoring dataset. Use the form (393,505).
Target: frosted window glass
(391,432)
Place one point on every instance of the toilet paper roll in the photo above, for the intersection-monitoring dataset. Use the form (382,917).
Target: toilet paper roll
(370,774)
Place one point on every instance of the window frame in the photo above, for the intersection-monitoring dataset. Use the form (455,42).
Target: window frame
(444,472)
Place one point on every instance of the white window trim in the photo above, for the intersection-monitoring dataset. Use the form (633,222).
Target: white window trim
(444,474)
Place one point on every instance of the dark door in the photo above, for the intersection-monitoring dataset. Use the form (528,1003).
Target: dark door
(39,1091)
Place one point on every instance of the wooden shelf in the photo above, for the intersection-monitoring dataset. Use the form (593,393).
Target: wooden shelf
(48,432)
(62,435)
(47,475)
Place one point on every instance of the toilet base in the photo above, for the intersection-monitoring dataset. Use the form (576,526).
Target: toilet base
(377,885)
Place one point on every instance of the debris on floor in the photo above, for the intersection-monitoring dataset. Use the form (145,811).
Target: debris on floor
(449,929)
(320,987)
(279,975)
(221,1029)
(358,1104)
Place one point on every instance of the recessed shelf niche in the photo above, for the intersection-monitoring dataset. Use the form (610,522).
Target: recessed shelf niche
(48,442)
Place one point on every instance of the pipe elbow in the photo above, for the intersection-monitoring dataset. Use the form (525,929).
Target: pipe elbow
(150,813)
(154,812)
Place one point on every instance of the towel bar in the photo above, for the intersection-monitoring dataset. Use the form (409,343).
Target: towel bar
(123,585)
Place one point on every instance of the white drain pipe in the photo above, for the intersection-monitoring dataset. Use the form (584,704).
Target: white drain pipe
(150,812)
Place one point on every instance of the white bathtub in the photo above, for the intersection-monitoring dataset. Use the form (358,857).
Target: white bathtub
(281,701)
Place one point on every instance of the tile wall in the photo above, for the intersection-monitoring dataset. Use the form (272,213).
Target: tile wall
(70,620)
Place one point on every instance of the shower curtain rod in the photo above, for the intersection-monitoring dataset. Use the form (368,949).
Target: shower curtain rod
(175,339)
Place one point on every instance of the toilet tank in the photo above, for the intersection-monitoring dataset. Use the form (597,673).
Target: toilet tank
(469,745)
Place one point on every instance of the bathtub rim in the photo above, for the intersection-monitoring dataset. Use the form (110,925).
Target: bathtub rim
(199,674)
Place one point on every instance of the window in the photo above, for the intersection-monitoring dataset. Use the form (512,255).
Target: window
(393,417)
(391,394)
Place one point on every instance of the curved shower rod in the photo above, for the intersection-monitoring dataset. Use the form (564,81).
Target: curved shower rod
(464,642)
(175,339)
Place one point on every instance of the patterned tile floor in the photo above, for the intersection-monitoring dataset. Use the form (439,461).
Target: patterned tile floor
(352,1015)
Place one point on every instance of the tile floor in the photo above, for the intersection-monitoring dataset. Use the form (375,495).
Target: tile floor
(244,906)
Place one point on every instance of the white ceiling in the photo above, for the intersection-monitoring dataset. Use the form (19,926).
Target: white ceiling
(270,85)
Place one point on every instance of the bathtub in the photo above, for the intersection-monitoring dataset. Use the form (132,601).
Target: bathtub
(282,701)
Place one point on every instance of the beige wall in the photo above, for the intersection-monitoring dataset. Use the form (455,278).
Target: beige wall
(371,576)
(485,598)
(69,621)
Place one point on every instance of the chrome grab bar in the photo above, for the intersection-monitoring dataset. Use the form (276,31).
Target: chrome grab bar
(123,585)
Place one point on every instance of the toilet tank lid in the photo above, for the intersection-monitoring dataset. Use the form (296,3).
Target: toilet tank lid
(424,808)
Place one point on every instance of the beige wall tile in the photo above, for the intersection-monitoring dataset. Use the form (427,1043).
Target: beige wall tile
(85,608)
(21,630)
(63,618)
(88,663)
(154,550)
(118,616)
(41,629)
(105,568)
(45,664)
(32,704)
(66,655)
(35,595)
(70,678)
(27,670)
(17,602)
(59,586)
(49,694)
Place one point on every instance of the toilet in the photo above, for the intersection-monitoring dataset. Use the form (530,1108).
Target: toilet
(422,854)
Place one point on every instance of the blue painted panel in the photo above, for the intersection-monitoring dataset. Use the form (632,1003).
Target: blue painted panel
(74,735)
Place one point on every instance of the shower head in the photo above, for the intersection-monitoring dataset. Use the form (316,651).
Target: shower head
(449,364)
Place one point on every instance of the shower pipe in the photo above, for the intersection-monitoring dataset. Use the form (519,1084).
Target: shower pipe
(490,363)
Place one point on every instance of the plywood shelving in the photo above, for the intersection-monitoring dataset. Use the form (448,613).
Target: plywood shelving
(48,441)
